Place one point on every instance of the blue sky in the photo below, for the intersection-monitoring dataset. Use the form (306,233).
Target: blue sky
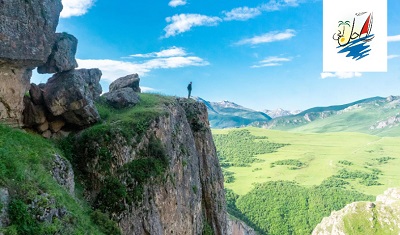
(259,54)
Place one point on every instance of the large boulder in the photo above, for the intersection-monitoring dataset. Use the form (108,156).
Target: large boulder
(27,34)
(71,94)
(122,98)
(27,30)
(62,57)
(131,81)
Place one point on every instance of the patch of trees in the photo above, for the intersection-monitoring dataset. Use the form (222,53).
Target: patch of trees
(284,207)
(292,163)
(239,148)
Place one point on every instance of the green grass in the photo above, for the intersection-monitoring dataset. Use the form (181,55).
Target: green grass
(321,153)
(25,161)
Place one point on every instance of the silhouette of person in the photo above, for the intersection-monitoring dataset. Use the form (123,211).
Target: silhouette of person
(189,87)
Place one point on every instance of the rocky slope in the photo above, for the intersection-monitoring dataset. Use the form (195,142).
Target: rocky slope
(379,217)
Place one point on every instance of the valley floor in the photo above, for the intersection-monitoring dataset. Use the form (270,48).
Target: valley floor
(323,155)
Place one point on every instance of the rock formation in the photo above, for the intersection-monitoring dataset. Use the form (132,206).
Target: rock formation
(27,33)
(122,98)
(66,100)
(131,81)
(62,57)
(120,173)
(380,217)
(71,94)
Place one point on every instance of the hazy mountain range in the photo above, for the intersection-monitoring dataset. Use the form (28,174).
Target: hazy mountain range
(376,115)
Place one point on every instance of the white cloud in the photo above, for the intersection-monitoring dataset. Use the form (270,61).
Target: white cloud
(392,56)
(341,75)
(175,3)
(394,38)
(147,89)
(113,69)
(184,22)
(276,5)
(271,61)
(241,13)
(268,37)
(173,51)
(75,7)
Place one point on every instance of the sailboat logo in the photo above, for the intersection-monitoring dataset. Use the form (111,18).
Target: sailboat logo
(352,39)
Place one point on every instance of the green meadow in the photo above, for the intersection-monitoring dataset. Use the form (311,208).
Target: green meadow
(366,163)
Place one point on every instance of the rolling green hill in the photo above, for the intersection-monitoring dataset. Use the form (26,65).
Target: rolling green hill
(376,116)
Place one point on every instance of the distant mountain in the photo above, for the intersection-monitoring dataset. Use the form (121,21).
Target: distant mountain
(280,112)
(226,114)
(375,115)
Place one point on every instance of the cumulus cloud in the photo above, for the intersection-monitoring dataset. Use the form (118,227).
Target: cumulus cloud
(113,69)
(241,13)
(268,37)
(184,22)
(394,38)
(392,56)
(271,61)
(175,3)
(341,75)
(75,7)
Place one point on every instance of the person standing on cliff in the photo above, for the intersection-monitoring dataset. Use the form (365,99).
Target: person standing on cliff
(189,87)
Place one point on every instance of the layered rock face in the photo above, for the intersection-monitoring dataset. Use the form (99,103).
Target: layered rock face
(237,227)
(188,196)
(27,34)
(380,217)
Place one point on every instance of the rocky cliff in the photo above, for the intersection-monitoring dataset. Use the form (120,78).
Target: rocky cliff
(379,217)
(154,168)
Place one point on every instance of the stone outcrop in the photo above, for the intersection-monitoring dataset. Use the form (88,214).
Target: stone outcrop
(27,33)
(4,201)
(380,217)
(237,227)
(187,198)
(122,98)
(63,173)
(62,57)
(131,81)
(71,94)
(64,104)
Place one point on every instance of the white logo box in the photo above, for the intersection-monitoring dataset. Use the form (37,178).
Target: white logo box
(351,15)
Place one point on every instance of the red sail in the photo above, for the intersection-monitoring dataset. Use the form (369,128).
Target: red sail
(365,28)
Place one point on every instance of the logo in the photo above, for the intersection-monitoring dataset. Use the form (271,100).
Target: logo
(352,39)
(355,36)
